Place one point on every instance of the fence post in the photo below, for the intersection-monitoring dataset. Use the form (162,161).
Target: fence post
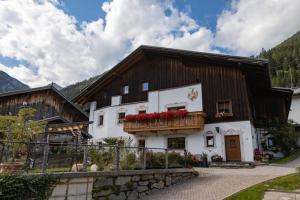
(185,158)
(27,165)
(144,158)
(85,157)
(45,154)
(118,158)
(167,159)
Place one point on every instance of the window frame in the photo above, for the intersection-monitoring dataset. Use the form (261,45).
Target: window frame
(139,145)
(99,120)
(268,142)
(224,101)
(213,139)
(123,89)
(177,146)
(121,121)
(142,86)
(174,108)
(142,111)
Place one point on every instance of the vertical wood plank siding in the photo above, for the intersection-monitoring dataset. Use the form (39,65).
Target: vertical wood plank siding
(219,81)
(47,103)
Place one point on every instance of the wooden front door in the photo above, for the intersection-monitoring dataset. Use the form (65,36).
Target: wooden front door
(233,148)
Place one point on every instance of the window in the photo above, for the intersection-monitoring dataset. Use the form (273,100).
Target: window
(210,141)
(125,89)
(176,143)
(224,106)
(176,108)
(142,111)
(141,143)
(145,86)
(121,117)
(270,142)
(100,120)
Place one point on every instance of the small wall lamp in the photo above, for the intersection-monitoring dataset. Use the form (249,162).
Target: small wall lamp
(218,129)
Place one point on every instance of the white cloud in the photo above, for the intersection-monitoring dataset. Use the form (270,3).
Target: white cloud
(250,25)
(41,34)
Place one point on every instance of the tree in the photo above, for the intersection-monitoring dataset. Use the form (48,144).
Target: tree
(283,132)
(21,127)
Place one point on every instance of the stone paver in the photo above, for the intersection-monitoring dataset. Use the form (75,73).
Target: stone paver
(274,195)
(217,183)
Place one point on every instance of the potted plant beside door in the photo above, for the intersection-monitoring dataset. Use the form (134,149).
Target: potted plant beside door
(216,158)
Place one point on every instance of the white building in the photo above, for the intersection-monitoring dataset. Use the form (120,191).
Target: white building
(229,93)
(295,110)
(295,107)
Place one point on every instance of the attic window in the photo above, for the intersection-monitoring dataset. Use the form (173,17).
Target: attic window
(126,89)
(145,86)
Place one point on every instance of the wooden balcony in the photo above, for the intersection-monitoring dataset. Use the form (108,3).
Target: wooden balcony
(194,121)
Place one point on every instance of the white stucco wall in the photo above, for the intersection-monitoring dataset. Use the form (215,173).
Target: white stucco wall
(196,143)
(158,101)
(110,127)
(295,109)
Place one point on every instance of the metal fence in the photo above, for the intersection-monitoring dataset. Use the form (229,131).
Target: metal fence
(42,157)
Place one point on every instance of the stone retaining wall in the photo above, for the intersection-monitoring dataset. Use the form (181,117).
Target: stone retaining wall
(117,185)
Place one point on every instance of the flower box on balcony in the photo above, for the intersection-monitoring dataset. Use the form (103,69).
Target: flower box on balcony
(165,121)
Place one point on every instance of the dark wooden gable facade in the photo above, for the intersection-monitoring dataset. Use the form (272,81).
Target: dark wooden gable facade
(50,104)
(222,78)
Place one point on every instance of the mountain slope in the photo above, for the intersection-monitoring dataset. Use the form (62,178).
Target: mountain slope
(73,90)
(285,62)
(8,83)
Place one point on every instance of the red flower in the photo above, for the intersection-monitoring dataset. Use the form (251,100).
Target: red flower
(130,118)
(256,152)
(141,117)
(157,116)
(181,113)
(194,158)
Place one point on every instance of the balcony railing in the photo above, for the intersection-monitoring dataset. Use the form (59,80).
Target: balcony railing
(193,121)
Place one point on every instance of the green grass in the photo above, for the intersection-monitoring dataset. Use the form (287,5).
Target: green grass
(256,192)
(291,157)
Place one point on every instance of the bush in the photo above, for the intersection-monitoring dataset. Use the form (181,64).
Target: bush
(283,132)
(175,160)
(155,160)
(23,187)
(128,162)
(102,158)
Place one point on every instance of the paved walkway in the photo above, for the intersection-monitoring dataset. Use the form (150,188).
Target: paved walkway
(273,195)
(217,183)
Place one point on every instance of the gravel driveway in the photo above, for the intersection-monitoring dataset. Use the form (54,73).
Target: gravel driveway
(217,183)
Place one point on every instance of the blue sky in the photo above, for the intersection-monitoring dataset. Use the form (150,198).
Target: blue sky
(205,12)
(66,41)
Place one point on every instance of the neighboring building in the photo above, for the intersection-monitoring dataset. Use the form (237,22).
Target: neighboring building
(234,93)
(295,107)
(66,122)
(295,111)
(50,103)
(51,106)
